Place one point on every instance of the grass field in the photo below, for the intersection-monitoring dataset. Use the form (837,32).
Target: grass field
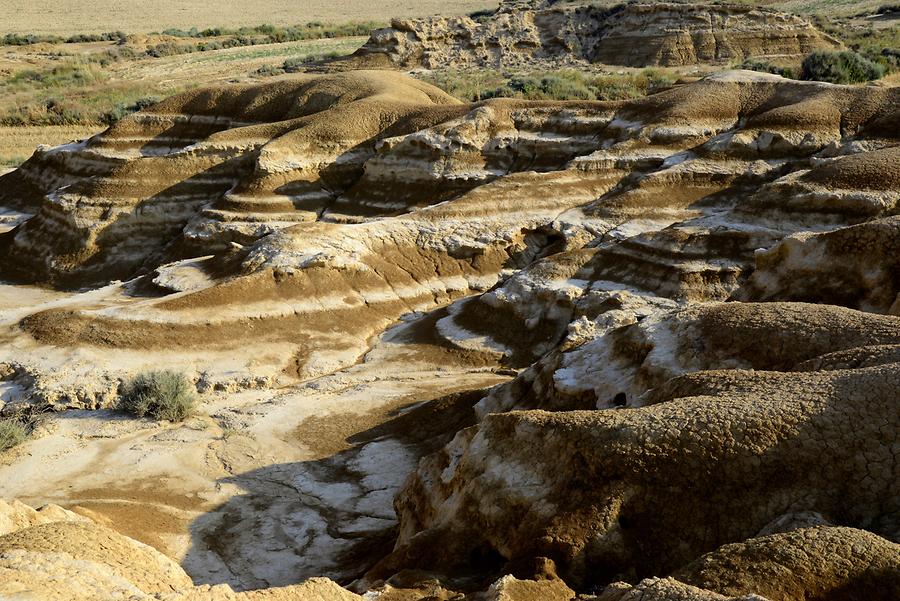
(143,16)
(75,89)
(18,143)
(53,99)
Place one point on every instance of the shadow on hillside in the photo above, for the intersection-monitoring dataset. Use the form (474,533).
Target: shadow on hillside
(328,517)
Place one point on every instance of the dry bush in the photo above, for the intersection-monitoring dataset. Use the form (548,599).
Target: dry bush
(12,434)
(163,395)
(17,424)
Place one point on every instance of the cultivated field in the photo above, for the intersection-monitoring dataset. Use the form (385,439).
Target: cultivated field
(17,143)
(96,16)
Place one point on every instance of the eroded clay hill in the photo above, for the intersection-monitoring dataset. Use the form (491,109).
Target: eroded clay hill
(633,34)
(697,292)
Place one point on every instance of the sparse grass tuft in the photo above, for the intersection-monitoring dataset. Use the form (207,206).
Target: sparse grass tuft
(18,424)
(12,160)
(297,65)
(70,92)
(12,434)
(124,109)
(159,394)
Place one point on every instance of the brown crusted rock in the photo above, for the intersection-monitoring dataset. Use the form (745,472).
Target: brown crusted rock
(634,493)
(810,563)
(664,589)
(126,195)
(300,189)
(624,364)
(510,588)
(863,356)
(83,561)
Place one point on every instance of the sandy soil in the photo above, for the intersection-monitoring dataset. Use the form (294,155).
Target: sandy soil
(261,487)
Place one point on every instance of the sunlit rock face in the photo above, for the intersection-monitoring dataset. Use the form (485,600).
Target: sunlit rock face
(633,34)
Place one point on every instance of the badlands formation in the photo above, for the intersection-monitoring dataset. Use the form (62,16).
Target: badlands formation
(538,32)
(511,350)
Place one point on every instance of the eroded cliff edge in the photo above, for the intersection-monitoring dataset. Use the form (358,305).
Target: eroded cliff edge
(634,34)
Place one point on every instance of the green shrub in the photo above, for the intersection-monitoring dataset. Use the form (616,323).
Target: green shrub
(565,84)
(169,49)
(754,64)
(160,394)
(295,65)
(12,434)
(64,112)
(123,110)
(12,161)
(840,67)
(268,70)
(252,36)
(113,55)
(482,16)
(19,39)
(181,33)
(111,36)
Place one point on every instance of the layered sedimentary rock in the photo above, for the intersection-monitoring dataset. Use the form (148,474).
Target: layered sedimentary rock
(237,228)
(696,292)
(855,267)
(714,457)
(633,34)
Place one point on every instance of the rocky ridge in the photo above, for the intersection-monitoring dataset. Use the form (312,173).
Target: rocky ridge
(632,34)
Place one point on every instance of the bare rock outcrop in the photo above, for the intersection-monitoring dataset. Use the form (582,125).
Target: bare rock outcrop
(357,197)
(666,589)
(72,560)
(808,563)
(15,515)
(633,34)
(855,267)
(640,492)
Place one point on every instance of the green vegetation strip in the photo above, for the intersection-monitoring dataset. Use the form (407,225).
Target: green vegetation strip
(564,84)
